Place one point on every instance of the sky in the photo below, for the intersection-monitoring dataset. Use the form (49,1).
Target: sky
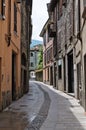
(39,17)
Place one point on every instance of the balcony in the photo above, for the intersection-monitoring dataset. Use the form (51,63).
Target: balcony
(84,11)
(52,30)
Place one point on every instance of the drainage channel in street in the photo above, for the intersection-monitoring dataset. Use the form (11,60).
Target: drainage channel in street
(16,116)
(38,120)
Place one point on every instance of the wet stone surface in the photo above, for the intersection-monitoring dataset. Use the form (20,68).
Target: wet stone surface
(28,113)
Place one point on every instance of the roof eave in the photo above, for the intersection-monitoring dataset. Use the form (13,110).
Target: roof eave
(44,28)
(52,5)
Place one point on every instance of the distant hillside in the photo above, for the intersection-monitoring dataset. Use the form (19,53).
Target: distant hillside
(35,42)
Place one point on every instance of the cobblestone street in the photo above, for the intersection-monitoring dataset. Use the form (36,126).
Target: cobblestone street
(43,108)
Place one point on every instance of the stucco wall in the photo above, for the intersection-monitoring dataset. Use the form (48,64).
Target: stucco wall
(6,55)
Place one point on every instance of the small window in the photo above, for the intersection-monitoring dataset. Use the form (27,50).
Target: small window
(60,71)
(32,65)
(31,54)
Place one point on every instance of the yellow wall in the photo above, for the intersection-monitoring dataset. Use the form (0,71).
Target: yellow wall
(6,54)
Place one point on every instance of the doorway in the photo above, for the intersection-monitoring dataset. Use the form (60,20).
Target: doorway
(51,75)
(70,73)
(64,74)
(13,76)
(55,71)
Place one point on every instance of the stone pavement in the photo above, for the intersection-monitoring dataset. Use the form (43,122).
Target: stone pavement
(43,108)
(65,113)
(22,112)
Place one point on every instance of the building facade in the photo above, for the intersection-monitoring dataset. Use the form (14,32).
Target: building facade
(26,32)
(67,28)
(15,38)
(10,18)
(34,58)
(83,49)
(48,60)
(35,52)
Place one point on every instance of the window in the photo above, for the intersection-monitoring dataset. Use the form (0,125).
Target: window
(31,54)
(60,71)
(15,18)
(2,9)
(31,64)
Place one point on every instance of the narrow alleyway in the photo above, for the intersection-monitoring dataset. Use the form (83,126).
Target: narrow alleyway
(43,108)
